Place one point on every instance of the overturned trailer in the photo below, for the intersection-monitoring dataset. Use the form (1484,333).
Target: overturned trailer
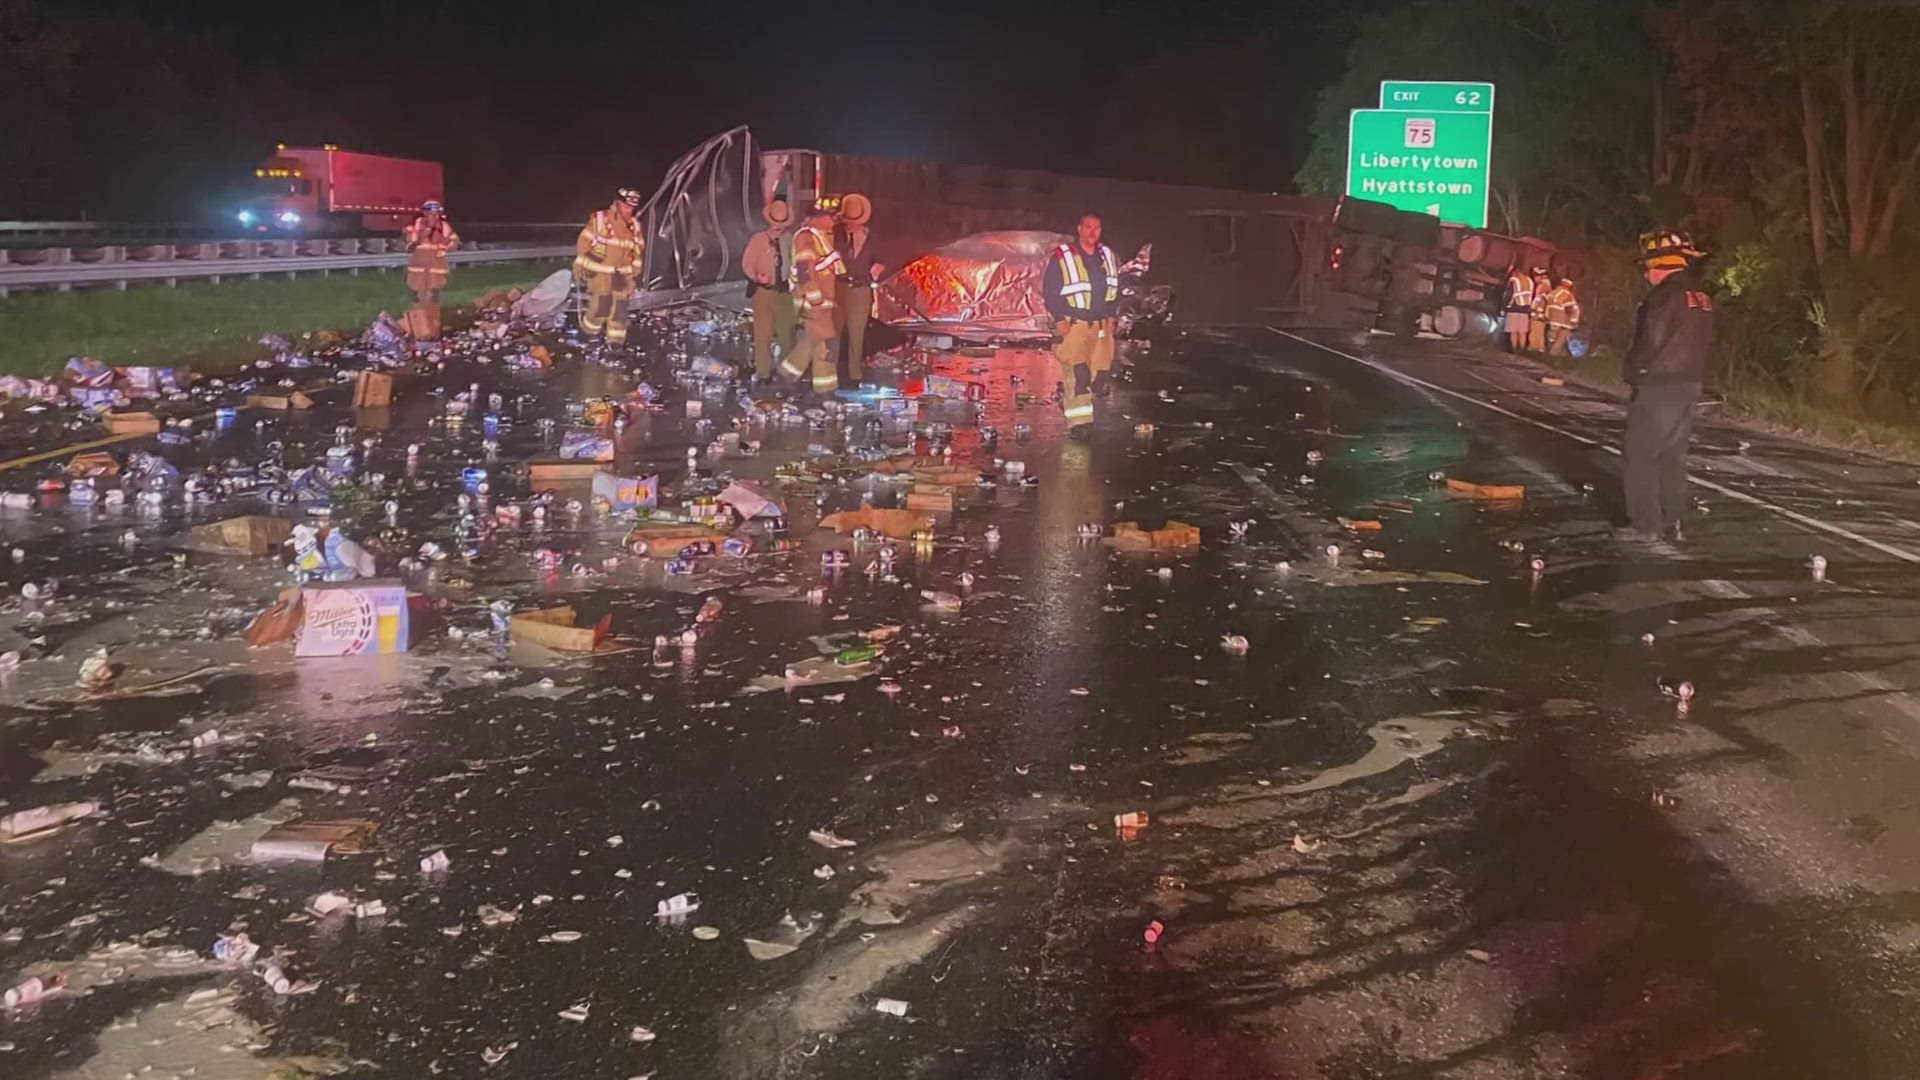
(1228,257)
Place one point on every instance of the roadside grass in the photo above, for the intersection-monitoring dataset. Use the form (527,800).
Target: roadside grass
(1763,404)
(212,327)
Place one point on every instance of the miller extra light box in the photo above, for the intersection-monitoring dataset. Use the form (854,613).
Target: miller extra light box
(352,618)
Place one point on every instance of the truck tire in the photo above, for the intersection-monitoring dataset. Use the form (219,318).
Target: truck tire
(1450,321)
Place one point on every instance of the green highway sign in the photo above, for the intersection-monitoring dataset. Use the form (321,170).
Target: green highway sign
(1429,162)
(1476,97)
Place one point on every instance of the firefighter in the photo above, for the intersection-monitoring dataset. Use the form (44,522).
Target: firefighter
(1519,308)
(768,254)
(817,270)
(854,241)
(1666,366)
(1082,292)
(429,236)
(1563,315)
(1537,317)
(606,261)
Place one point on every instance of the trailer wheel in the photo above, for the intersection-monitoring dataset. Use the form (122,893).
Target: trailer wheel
(1449,321)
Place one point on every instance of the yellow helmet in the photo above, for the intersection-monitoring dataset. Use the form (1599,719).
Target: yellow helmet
(1664,248)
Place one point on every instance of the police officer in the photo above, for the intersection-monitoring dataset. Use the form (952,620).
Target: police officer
(1666,366)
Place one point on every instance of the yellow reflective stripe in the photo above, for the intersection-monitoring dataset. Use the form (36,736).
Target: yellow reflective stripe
(1079,412)
(600,267)
(1075,287)
(1070,267)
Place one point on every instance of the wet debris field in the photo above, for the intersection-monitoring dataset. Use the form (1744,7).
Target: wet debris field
(899,736)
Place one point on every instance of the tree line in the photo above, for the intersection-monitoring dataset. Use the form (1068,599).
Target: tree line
(1785,135)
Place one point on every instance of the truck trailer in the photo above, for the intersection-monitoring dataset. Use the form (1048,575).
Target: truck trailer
(327,191)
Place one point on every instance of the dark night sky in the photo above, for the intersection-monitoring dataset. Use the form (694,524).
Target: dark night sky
(544,106)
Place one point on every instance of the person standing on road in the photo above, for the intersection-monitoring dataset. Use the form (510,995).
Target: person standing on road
(1563,316)
(817,269)
(854,240)
(1082,292)
(765,261)
(1519,309)
(429,236)
(1666,367)
(1537,311)
(607,260)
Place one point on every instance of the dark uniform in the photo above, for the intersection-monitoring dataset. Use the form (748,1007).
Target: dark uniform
(1666,367)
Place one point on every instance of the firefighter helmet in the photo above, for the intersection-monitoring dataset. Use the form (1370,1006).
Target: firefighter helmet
(629,196)
(1667,249)
(432,206)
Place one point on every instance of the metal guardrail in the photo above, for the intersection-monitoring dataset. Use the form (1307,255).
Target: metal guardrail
(116,265)
(188,230)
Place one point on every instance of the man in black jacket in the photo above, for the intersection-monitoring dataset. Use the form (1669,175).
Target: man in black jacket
(1666,367)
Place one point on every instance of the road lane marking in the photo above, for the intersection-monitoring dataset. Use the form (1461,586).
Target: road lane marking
(1794,516)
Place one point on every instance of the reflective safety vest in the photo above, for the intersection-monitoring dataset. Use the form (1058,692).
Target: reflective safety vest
(428,244)
(609,245)
(1519,293)
(825,257)
(814,265)
(1076,286)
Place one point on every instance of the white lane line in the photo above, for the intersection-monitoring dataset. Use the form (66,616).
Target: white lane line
(1794,516)
(1801,637)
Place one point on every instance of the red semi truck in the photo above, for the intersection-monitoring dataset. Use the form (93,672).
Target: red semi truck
(324,190)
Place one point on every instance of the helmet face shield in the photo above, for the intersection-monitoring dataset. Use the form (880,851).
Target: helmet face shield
(432,206)
(629,196)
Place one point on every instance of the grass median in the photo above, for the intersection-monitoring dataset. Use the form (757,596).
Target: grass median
(215,326)
(1769,406)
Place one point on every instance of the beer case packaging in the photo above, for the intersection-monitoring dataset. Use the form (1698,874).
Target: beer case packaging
(626,492)
(354,618)
(555,628)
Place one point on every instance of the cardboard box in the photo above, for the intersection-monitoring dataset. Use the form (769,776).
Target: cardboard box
(948,476)
(562,472)
(667,541)
(586,446)
(131,423)
(626,492)
(313,841)
(352,618)
(372,390)
(555,628)
(751,499)
(294,400)
(254,534)
(939,501)
(1129,536)
(898,524)
(95,464)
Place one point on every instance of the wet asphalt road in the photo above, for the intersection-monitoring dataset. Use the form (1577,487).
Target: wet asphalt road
(1437,821)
